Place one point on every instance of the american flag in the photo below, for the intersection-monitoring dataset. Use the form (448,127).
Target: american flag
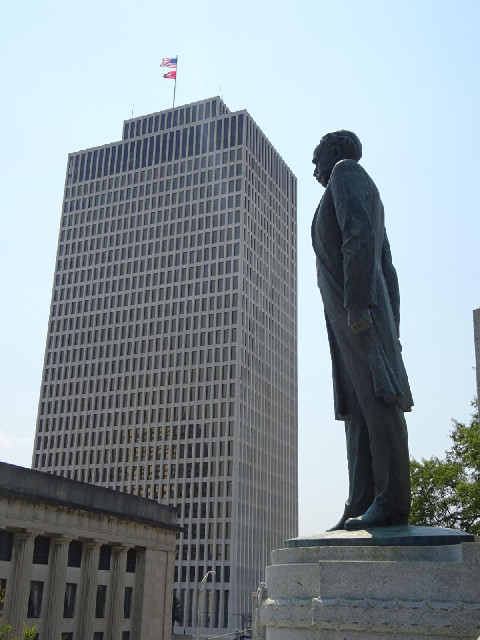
(169,62)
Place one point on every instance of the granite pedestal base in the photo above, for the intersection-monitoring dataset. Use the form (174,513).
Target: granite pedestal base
(358,586)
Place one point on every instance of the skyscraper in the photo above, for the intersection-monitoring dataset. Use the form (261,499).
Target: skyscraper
(170,366)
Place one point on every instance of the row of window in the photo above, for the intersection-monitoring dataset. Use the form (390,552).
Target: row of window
(86,333)
(187,451)
(194,288)
(181,432)
(210,469)
(213,198)
(144,382)
(147,178)
(153,224)
(179,243)
(146,200)
(204,551)
(90,356)
(172,118)
(86,318)
(183,450)
(174,413)
(174,310)
(123,184)
(150,399)
(35,600)
(193,256)
(194,574)
(189,393)
(154,217)
(126,266)
(154,150)
(41,552)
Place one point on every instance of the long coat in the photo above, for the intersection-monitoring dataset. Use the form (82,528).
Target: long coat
(355,270)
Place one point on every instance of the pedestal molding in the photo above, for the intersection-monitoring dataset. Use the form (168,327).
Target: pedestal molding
(454,619)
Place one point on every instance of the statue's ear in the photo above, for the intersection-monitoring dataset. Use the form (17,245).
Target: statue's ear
(337,152)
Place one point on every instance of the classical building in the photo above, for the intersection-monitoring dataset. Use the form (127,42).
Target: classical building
(171,360)
(84,562)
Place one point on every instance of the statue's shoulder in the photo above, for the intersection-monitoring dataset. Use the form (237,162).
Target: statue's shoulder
(345,169)
(348,176)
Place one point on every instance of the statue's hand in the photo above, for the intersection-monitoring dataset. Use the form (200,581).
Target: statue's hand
(359,320)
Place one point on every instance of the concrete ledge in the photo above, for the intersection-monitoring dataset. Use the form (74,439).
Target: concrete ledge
(45,488)
(300,555)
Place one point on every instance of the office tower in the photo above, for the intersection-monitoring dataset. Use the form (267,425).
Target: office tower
(170,367)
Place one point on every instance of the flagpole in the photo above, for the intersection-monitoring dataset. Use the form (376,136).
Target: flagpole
(175,86)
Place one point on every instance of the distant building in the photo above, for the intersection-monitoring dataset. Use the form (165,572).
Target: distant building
(476,334)
(84,562)
(171,360)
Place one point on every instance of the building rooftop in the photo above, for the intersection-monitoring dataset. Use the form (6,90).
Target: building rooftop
(45,488)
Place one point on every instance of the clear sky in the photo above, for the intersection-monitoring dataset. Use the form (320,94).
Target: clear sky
(403,75)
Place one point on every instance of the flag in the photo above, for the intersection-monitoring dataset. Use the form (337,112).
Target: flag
(171,74)
(169,62)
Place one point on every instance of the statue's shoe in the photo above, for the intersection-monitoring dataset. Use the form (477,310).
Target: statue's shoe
(340,524)
(376,516)
(348,514)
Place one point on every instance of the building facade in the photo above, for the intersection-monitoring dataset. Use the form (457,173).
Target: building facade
(171,360)
(83,562)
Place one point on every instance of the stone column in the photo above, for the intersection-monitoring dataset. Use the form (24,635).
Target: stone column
(476,335)
(115,615)
(139,625)
(55,596)
(18,586)
(88,589)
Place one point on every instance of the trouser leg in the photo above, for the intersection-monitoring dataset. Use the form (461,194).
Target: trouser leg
(388,443)
(377,441)
(360,475)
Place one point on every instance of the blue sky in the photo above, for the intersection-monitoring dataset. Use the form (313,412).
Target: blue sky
(403,76)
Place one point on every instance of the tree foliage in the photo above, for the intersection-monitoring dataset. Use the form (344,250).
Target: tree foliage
(6,630)
(446,493)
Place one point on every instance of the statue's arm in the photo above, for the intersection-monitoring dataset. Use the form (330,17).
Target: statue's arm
(354,215)
(391,280)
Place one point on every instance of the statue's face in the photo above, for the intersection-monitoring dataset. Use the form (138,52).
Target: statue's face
(324,161)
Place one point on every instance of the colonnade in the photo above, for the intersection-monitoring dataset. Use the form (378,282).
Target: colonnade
(51,625)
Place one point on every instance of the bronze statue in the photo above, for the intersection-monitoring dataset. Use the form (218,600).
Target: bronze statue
(359,288)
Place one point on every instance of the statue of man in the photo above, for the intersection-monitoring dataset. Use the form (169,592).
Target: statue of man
(359,288)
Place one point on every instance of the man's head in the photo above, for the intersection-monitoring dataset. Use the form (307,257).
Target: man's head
(333,147)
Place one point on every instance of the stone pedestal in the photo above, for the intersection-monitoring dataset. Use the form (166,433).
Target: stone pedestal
(405,583)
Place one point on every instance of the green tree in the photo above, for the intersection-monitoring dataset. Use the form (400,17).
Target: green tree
(177,612)
(446,493)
